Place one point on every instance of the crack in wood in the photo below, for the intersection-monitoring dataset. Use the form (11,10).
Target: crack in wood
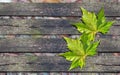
(108,64)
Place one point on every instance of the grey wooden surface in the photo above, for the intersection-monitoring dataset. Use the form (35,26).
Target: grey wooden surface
(47,26)
(61,9)
(57,73)
(52,44)
(44,36)
(54,63)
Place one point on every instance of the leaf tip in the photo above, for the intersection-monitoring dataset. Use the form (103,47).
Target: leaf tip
(82,9)
(65,37)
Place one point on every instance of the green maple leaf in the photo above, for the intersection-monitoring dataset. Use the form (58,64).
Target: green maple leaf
(79,50)
(92,23)
(86,45)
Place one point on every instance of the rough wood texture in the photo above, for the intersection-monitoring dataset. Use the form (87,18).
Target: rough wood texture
(46,26)
(110,63)
(45,37)
(52,45)
(72,9)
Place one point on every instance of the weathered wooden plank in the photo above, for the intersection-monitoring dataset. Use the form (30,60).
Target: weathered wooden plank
(54,44)
(96,1)
(49,30)
(44,22)
(102,63)
(46,26)
(72,9)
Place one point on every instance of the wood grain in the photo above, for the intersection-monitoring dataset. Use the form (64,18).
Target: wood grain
(61,9)
(51,44)
(47,26)
(101,63)
(44,36)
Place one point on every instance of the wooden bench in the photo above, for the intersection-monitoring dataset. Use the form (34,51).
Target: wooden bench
(25,36)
